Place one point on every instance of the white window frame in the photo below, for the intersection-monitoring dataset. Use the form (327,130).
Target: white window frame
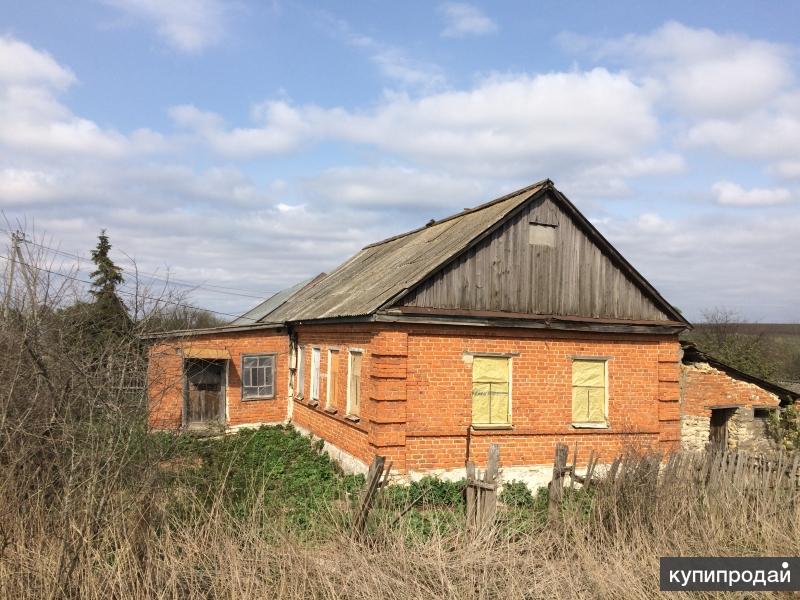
(604,424)
(316,357)
(299,374)
(331,352)
(273,369)
(350,354)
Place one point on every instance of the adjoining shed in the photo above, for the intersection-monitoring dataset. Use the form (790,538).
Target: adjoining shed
(723,407)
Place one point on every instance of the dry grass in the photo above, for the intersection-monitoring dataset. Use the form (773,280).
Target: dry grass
(85,511)
(611,550)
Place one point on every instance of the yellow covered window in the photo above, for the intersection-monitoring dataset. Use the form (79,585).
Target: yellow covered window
(491,390)
(588,391)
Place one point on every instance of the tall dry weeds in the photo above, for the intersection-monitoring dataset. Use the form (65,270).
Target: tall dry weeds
(83,510)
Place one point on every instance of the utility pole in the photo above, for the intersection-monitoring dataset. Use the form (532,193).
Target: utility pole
(16,238)
(15,257)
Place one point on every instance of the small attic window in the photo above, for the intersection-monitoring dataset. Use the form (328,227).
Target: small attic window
(542,234)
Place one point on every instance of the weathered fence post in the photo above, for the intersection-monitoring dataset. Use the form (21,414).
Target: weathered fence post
(556,487)
(374,476)
(481,492)
(471,494)
(489,507)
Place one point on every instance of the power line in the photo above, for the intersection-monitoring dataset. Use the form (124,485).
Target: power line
(217,289)
(127,293)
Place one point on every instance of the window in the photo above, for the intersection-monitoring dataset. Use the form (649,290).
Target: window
(354,383)
(542,234)
(258,376)
(589,392)
(491,390)
(300,383)
(762,412)
(315,373)
(332,395)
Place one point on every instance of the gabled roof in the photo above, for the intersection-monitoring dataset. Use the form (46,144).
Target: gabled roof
(382,271)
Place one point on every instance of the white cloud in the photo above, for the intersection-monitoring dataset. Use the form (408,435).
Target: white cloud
(396,65)
(396,187)
(392,62)
(20,186)
(611,178)
(699,71)
(285,129)
(463,19)
(731,93)
(506,126)
(764,135)
(187,25)
(20,64)
(707,259)
(33,121)
(731,194)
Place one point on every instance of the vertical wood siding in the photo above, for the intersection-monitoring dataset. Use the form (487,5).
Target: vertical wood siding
(505,272)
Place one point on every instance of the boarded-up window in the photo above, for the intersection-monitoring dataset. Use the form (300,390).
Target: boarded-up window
(332,397)
(300,383)
(315,373)
(491,390)
(542,234)
(589,391)
(354,384)
(258,376)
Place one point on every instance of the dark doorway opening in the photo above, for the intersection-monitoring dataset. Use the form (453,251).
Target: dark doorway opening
(204,394)
(718,432)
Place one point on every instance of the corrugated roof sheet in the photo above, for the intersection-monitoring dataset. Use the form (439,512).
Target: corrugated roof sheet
(381,271)
(256,314)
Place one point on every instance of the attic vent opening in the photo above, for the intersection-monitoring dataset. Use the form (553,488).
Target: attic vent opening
(542,234)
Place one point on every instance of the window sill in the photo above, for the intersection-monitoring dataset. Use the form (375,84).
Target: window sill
(257,398)
(330,410)
(591,426)
(353,418)
(484,426)
(313,403)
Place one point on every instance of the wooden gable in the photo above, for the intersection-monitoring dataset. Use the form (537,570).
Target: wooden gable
(544,259)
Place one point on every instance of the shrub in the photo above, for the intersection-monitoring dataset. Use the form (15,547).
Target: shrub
(784,427)
(517,494)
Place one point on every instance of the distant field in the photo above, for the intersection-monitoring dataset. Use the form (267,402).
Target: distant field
(771,329)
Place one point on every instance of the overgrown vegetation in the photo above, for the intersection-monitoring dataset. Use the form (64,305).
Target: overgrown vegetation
(784,427)
(93,505)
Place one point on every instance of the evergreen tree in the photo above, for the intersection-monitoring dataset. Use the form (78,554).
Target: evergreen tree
(109,311)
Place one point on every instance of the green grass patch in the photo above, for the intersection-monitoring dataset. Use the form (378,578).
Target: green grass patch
(282,471)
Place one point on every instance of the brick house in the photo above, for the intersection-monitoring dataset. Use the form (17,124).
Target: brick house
(515,322)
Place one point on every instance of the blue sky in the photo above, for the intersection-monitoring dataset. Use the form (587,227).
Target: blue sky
(252,145)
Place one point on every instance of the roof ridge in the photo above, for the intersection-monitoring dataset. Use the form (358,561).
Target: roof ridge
(527,188)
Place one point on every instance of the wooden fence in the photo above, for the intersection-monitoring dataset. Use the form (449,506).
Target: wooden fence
(481,490)
(779,471)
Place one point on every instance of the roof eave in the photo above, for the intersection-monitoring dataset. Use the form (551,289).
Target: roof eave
(182,333)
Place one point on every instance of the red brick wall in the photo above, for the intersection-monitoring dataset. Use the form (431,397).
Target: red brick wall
(165,376)
(705,386)
(416,391)
(331,424)
(642,376)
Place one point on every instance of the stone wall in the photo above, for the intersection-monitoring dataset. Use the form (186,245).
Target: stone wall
(694,432)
